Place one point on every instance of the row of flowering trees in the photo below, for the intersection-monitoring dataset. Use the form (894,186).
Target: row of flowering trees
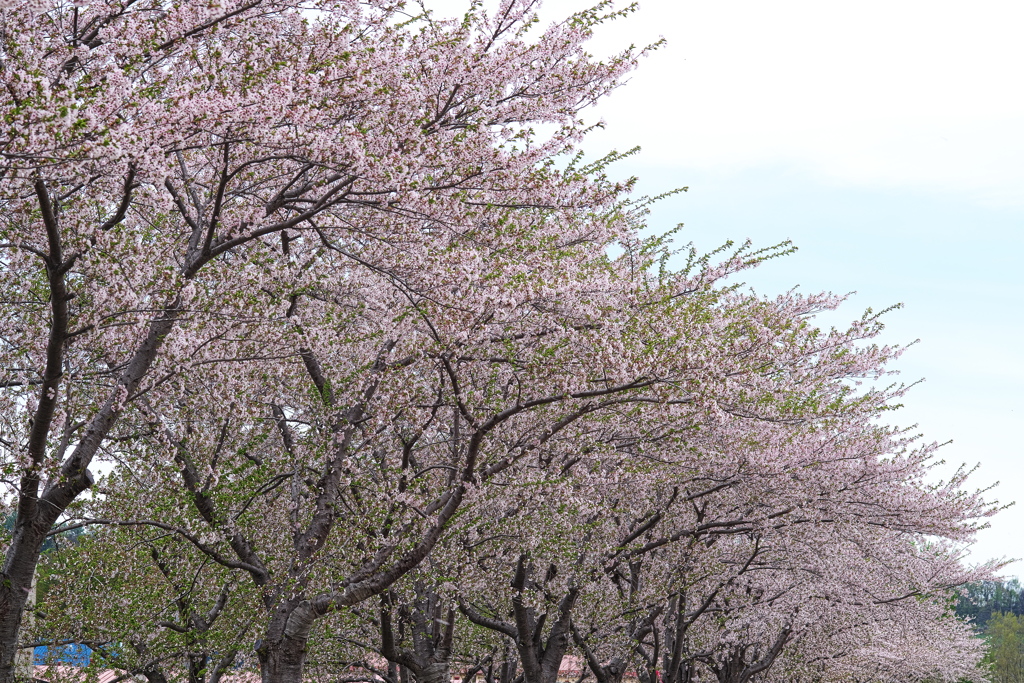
(348,372)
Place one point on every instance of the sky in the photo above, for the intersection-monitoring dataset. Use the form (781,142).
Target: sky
(885,138)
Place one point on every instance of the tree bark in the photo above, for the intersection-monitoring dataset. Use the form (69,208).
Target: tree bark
(282,652)
(14,593)
(25,657)
(611,672)
(435,672)
(282,661)
(429,659)
(540,656)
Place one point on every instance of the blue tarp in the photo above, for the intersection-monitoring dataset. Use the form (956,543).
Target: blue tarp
(75,655)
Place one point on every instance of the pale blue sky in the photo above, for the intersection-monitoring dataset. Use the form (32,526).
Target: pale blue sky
(886,139)
(952,263)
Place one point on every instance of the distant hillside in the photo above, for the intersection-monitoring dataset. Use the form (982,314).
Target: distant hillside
(980,600)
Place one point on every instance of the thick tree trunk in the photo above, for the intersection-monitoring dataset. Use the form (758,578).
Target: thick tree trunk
(152,672)
(435,672)
(431,626)
(15,587)
(282,652)
(25,657)
(196,666)
(612,672)
(549,664)
(12,605)
(541,657)
(282,661)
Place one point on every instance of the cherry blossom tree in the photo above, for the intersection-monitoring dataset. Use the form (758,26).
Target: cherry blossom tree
(802,587)
(850,617)
(174,174)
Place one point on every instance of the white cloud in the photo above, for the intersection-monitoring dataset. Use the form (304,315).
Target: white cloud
(893,93)
(919,94)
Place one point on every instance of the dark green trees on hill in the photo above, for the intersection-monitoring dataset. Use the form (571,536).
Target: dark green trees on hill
(981,600)
(997,610)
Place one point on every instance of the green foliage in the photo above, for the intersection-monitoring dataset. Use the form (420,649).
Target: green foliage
(1005,635)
